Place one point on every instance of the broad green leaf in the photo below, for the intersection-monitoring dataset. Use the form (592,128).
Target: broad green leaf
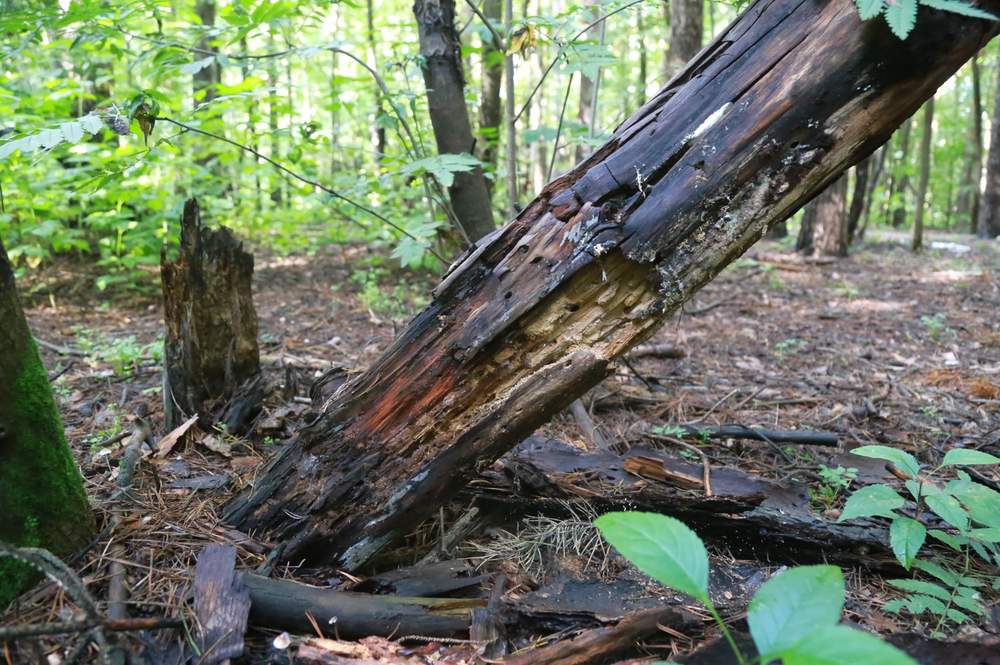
(906,536)
(901,15)
(956,7)
(950,510)
(968,457)
(792,604)
(662,547)
(918,586)
(869,8)
(983,503)
(840,645)
(197,65)
(958,617)
(444,167)
(990,535)
(873,500)
(903,460)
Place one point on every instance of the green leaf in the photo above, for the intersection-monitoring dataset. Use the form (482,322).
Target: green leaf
(869,8)
(444,167)
(965,457)
(906,536)
(949,509)
(954,542)
(840,645)
(918,586)
(588,58)
(91,124)
(990,535)
(946,576)
(904,461)
(958,617)
(956,7)
(901,15)
(72,131)
(919,603)
(792,604)
(662,547)
(870,501)
(983,503)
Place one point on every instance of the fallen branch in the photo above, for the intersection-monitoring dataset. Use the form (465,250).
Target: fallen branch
(286,605)
(805,437)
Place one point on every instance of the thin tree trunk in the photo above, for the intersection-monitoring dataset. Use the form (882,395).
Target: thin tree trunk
(925,175)
(206,80)
(535,316)
(687,19)
(584,112)
(42,502)
(378,131)
(273,121)
(989,212)
(967,201)
(510,91)
(441,49)
(490,109)
(861,173)
(899,214)
(640,30)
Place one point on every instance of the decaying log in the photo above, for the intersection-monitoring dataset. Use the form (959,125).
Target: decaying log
(806,437)
(422,581)
(781,103)
(284,604)
(210,349)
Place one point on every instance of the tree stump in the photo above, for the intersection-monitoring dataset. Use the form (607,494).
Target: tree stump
(211,359)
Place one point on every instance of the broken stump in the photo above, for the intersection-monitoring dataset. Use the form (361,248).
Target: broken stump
(211,358)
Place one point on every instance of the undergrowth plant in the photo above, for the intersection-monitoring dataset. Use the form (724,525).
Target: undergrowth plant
(794,616)
(970,513)
(835,481)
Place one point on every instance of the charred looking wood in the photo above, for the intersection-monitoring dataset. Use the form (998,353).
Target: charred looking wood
(536,313)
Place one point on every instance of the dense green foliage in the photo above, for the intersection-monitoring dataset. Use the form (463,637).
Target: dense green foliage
(295,83)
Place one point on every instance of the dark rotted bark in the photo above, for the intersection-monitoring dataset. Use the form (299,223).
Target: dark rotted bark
(210,352)
(441,48)
(536,314)
(687,20)
(988,225)
(490,109)
(861,176)
(42,502)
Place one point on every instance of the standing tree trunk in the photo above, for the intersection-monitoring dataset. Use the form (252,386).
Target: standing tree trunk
(535,315)
(207,79)
(687,26)
(42,503)
(490,111)
(378,129)
(989,211)
(824,223)
(899,214)
(925,175)
(967,202)
(211,360)
(441,48)
(861,175)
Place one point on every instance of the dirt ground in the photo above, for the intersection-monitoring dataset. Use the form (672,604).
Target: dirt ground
(882,347)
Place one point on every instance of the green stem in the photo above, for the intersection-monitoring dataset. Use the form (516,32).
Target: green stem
(725,631)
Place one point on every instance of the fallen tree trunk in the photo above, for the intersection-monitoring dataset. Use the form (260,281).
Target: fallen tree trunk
(786,99)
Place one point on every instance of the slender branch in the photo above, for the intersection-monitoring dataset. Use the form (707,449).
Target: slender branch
(301,178)
(497,39)
(559,54)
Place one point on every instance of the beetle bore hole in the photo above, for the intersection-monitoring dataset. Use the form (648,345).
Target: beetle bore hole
(508,295)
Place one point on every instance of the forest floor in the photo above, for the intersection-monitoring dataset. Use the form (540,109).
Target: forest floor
(882,347)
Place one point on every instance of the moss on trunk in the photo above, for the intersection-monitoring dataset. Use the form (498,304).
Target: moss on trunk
(42,502)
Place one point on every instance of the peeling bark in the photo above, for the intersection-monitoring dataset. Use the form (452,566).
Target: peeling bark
(537,312)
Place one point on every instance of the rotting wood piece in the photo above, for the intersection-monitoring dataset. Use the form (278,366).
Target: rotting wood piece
(537,312)
(283,604)
(211,344)
(597,644)
(221,603)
